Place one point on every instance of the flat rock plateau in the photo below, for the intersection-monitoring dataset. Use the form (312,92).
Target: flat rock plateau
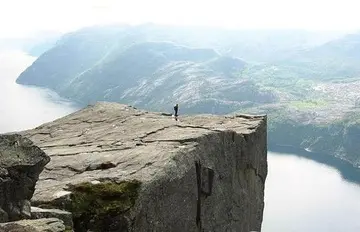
(117,168)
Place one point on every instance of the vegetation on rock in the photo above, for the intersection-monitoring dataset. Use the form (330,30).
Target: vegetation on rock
(103,207)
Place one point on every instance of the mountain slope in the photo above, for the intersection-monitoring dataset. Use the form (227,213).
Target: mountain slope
(336,59)
(153,75)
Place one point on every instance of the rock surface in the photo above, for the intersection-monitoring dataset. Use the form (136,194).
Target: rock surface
(117,168)
(21,162)
(66,217)
(39,225)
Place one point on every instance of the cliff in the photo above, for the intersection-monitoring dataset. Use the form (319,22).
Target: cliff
(117,168)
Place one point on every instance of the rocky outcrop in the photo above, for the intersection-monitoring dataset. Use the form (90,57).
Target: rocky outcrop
(21,162)
(117,168)
(39,225)
(66,217)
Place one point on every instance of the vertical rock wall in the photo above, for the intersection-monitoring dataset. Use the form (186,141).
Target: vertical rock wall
(217,184)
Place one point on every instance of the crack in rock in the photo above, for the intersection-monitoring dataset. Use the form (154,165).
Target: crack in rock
(101,166)
(256,173)
(181,141)
(91,152)
(144,166)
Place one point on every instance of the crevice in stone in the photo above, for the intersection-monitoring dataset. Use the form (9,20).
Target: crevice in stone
(181,141)
(246,138)
(91,167)
(95,121)
(154,132)
(41,133)
(73,169)
(198,127)
(249,166)
(180,126)
(48,169)
(198,201)
(81,134)
(144,166)
(90,152)
(47,178)
(101,166)
(248,116)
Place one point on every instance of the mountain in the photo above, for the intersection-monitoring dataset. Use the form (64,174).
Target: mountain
(97,65)
(250,45)
(334,59)
(298,81)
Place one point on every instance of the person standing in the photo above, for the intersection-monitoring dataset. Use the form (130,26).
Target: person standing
(176,109)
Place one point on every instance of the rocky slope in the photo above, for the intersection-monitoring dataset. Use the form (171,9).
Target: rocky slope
(21,163)
(337,59)
(117,168)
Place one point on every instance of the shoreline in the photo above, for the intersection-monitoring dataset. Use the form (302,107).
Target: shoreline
(348,171)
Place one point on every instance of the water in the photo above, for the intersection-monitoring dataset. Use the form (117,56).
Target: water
(304,195)
(23,107)
(300,195)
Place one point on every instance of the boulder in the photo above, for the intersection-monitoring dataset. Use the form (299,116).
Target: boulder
(66,217)
(117,168)
(21,162)
(39,225)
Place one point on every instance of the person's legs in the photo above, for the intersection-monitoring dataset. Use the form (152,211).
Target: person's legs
(176,111)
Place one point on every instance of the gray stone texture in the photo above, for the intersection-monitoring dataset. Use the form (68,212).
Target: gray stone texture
(21,162)
(66,217)
(114,142)
(39,225)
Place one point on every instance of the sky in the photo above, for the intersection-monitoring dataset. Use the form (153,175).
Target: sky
(23,17)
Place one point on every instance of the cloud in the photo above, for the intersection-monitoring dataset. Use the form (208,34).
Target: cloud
(21,17)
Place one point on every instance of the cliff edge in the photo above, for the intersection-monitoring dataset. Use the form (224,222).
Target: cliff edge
(117,168)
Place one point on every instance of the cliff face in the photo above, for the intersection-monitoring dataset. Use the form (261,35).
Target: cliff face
(117,168)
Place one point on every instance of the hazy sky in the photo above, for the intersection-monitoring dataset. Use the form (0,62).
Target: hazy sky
(19,17)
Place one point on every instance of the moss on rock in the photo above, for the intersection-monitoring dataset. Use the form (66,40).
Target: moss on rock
(103,206)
